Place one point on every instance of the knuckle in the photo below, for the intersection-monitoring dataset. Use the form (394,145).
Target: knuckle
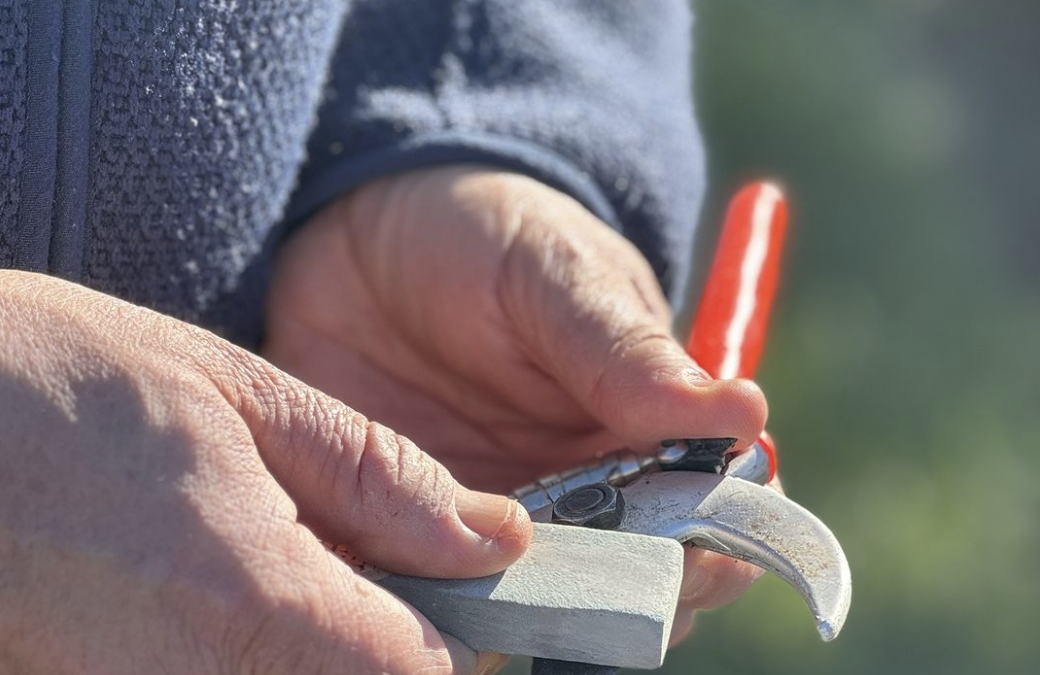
(394,475)
(379,464)
(344,436)
(611,384)
(642,335)
(321,435)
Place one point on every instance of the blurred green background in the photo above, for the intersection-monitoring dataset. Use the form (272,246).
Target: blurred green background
(903,369)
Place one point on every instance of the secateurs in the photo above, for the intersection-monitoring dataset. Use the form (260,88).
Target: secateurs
(597,588)
(690,495)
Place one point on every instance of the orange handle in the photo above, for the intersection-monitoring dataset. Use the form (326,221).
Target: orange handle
(729,328)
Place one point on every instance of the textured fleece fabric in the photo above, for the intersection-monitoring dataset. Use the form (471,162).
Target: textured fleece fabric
(158,150)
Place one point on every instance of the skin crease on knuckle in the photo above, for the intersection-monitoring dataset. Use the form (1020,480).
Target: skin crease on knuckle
(395,482)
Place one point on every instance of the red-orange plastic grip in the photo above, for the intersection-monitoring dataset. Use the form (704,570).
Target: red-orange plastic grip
(729,328)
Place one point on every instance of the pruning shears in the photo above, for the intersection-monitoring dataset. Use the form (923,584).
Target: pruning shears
(597,588)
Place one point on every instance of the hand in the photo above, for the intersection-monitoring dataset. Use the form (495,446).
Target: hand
(160,493)
(505,329)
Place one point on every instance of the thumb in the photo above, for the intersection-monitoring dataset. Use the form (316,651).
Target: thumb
(601,329)
(357,483)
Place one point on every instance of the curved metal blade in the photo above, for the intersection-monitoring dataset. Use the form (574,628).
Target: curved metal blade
(750,522)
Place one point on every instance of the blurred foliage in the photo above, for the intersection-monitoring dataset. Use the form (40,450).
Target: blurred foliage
(903,372)
(903,368)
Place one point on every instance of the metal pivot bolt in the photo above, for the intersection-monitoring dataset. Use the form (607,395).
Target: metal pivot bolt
(599,506)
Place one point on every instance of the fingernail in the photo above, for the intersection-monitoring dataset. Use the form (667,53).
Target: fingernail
(488,515)
(490,662)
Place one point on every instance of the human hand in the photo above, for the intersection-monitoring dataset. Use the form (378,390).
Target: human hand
(161,490)
(505,329)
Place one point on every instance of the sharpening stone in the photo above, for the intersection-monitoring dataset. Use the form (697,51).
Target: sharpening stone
(577,595)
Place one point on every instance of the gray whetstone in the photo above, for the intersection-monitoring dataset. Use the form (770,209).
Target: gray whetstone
(576,594)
